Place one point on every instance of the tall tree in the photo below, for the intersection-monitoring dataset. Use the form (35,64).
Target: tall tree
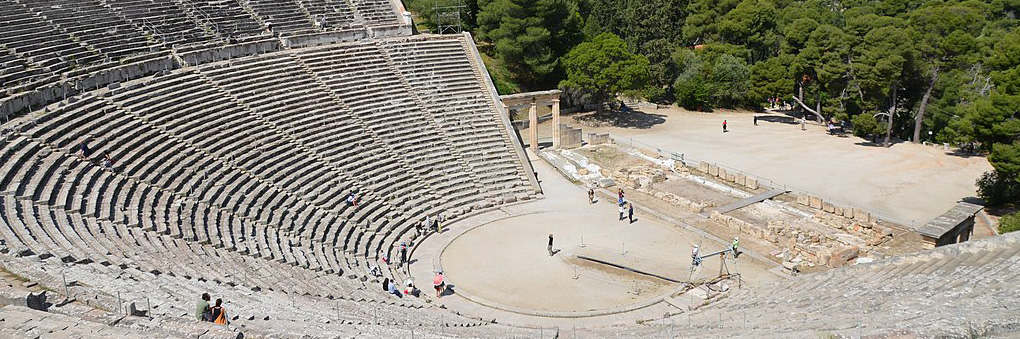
(883,57)
(945,33)
(529,36)
(825,58)
(605,67)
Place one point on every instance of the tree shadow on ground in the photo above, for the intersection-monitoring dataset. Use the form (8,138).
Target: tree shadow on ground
(973,200)
(779,119)
(628,119)
(963,153)
(878,143)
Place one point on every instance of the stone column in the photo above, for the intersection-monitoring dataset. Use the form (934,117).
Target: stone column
(556,123)
(533,126)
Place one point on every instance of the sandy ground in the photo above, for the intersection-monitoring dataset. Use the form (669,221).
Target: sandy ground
(505,261)
(907,182)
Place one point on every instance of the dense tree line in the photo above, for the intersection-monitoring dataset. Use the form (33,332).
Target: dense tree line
(938,71)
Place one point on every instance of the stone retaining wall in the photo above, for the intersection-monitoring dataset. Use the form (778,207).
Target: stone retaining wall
(819,249)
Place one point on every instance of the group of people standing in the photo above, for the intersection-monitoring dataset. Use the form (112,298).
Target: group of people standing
(776,102)
(215,314)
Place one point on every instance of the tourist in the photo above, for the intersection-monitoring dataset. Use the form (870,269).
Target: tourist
(392,288)
(107,161)
(591,195)
(736,244)
(219,314)
(724,126)
(550,244)
(803,123)
(375,271)
(202,312)
(83,151)
(695,259)
(622,210)
(409,288)
(350,199)
(630,212)
(440,285)
(620,193)
(403,253)
(440,221)
(756,120)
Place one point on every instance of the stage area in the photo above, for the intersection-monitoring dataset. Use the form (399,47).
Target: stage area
(506,262)
(500,268)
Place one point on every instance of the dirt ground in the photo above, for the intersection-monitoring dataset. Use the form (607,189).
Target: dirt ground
(907,182)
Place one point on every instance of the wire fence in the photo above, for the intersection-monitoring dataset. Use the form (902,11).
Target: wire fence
(692,162)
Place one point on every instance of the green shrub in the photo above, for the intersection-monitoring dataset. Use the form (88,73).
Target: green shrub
(1009,223)
(864,125)
(997,189)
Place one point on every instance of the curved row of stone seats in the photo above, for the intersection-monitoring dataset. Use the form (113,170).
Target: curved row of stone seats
(33,39)
(91,117)
(163,19)
(221,156)
(377,12)
(283,15)
(301,107)
(77,239)
(24,322)
(131,208)
(330,13)
(181,218)
(441,73)
(99,27)
(359,74)
(171,295)
(15,71)
(932,293)
(227,18)
(54,233)
(320,230)
(104,124)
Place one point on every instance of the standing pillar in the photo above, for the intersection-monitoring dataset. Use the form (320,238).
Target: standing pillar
(533,126)
(556,123)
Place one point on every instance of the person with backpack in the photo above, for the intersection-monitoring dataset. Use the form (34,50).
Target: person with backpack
(219,314)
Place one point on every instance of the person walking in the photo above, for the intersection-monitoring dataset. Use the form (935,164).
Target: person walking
(83,151)
(735,246)
(630,212)
(591,195)
(202,309)
(724,126)
(403,253)
(439,284)
(756,120)
(803,123)
(219,314)
(622,211)
(550,245)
